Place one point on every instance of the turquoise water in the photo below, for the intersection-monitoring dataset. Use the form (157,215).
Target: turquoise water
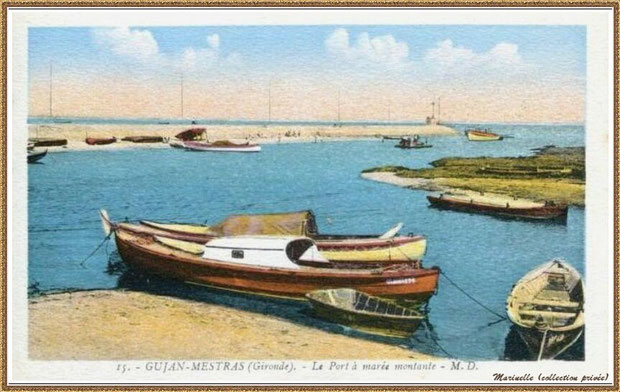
(482,254)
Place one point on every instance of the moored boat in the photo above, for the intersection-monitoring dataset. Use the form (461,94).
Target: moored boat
(412,143)
(499,206)
(35,156)
(482,135)
(271,266)
(94,141)
(364,312)
(143,139)
(191,134)
(47,142)
(222,146)
(547,308)
(347,249)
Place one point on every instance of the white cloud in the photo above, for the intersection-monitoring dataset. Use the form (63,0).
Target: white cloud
(384,49)
(448,56)
(136,44)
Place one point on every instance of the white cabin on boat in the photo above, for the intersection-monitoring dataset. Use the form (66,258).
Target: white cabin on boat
(264,251)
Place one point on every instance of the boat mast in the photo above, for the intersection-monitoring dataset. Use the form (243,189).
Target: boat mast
(182,93)
(438,109)
(269,100)
(338,106)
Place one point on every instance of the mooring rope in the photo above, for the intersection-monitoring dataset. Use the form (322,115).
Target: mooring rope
(502,318)
(430,335)
(82,263)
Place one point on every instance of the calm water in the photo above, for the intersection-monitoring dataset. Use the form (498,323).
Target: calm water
(482,254)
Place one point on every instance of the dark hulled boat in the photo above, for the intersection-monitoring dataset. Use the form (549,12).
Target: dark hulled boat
(365,312)
(47,142)
(535,211)
(191,134)
(143,139)
(35,156)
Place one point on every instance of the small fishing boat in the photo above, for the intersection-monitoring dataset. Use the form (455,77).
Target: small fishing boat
(93,141)
(143,139)
(345,249)
(35,156)
(47,142)
(482,135)
(365,312)
(499,205)
(546,307)
(222,146)
(176,144)
(191,134)
(266,265)
(411,143)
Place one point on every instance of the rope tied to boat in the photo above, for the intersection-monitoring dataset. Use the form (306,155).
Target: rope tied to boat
(105,240)
(501,317)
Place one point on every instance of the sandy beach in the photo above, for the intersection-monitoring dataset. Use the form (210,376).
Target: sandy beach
(115,324)
(76,133)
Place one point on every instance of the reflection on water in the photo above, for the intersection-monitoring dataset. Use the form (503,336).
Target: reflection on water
(516,350)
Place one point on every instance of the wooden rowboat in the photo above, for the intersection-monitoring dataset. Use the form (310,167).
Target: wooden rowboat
(271,266)
(482,135)
(365,312)
(348,250)
(412,143)
(93,141)
(35,156)
(191,134)
(546,306)
(143,139)
(222,146)
(531,211)
(47,142)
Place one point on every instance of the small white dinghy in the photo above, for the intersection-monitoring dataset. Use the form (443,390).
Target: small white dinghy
(546,306)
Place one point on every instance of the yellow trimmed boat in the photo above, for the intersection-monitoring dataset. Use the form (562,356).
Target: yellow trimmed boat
(482,135)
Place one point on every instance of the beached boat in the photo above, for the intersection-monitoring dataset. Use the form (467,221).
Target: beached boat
(94,141)
(364,312)
(482,135)
(411,143)
(47,142)
(35,156)
(347,249)
(546,306)
(268,265)
(500,206)
(222,146)
(191,134)
(143,139)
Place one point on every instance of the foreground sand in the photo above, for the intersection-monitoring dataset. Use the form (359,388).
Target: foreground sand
(76,133)
(113,324)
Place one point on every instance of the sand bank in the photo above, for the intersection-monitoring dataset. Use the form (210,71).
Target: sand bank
(114,325)
(76,133)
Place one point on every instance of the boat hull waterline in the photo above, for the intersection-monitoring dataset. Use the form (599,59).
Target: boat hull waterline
(144,253)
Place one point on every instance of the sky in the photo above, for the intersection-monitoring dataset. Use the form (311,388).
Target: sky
(480,73)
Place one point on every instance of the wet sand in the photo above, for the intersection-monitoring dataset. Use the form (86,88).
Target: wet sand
(116,324)
(76,133)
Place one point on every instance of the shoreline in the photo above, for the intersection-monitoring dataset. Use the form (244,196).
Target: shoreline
(76,133)
(131,325)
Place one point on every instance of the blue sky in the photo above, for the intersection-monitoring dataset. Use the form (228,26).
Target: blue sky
(451,57)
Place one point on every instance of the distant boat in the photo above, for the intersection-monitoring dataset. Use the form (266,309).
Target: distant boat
(482,135)
(191,134)
(47,142)
(411,143)
(143,139)
(36,156)
(365,312)
(93,141)
(222,146)
(520,208)
(546,306)
(271,266)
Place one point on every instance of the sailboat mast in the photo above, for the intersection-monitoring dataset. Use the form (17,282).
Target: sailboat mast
(50,105)
(339,106)
(182,94)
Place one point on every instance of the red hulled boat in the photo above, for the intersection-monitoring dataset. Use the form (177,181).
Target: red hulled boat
(93,141)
